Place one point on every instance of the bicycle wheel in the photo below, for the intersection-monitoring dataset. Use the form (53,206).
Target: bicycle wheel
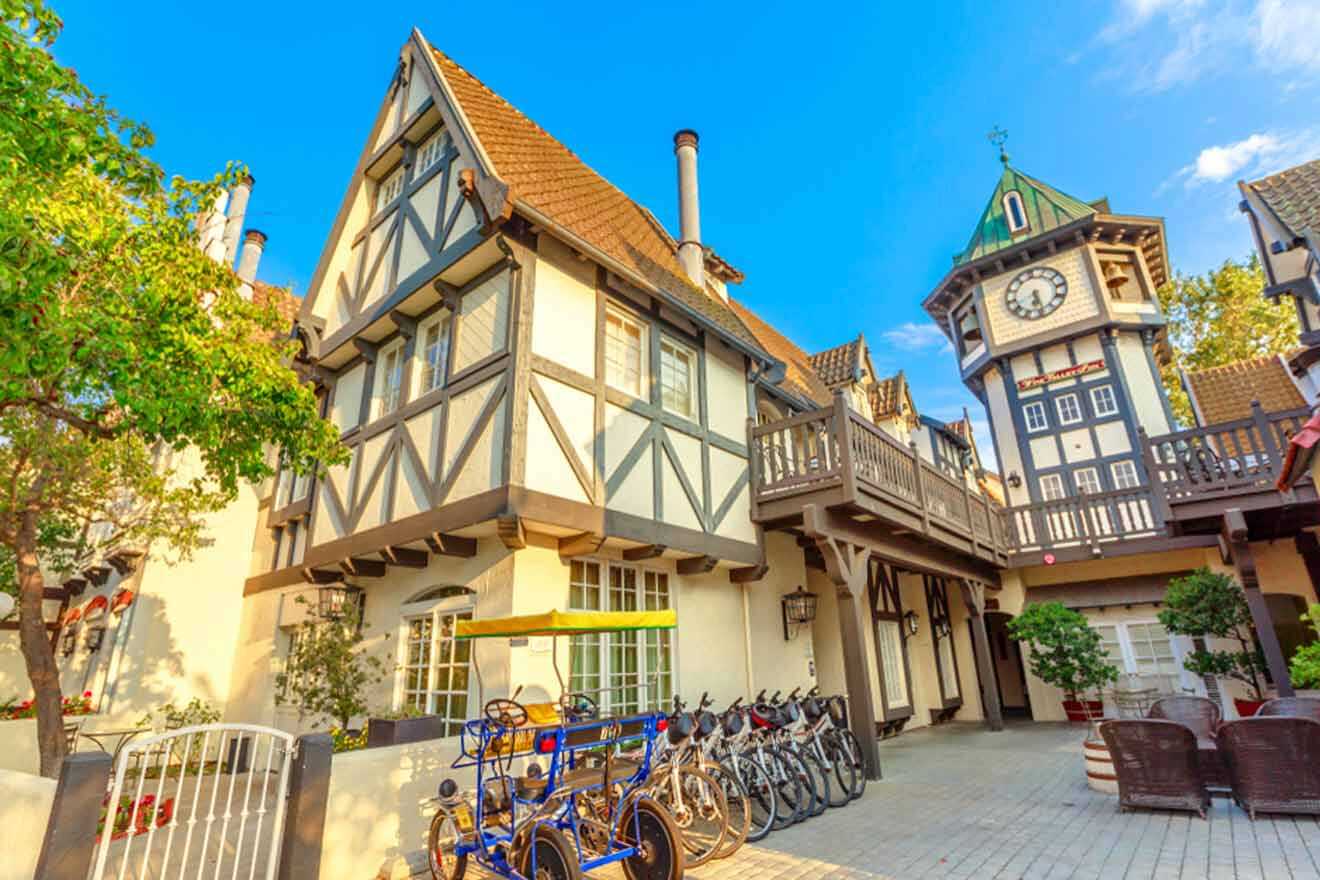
(854,750)
(659,842)
(796,766)
(789,793)
(761,796)
(739,809)
(697,804)
(842,771)
(820,779)
(555,858)
(440,843)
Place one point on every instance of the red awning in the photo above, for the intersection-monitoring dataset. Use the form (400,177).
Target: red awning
(95,607)
(122,600)
(73,615)
(1301,449)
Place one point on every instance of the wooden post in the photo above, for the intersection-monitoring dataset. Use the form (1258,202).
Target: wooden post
(1159,498)
(974,598)
(843,441)
(1269,443)
(753,467)
(921,486)
(1235,532)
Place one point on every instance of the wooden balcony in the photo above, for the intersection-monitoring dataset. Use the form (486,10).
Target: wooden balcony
(838,460)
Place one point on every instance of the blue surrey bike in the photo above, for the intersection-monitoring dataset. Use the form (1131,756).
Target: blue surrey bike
(586,809)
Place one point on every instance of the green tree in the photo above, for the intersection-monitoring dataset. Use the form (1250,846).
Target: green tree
(1221,317)
(1209,604)
(125,351)
(1065,650)
(327,673)
(1304,668)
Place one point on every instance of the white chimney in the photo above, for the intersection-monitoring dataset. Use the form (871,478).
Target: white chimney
(253,244)
(237,209)
(690,251)
(211,229)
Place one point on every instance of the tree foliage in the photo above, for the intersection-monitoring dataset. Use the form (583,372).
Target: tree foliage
(1221,317)
(1065,650)
(1304,668)
(326,674)
(137,387)
(1204,604)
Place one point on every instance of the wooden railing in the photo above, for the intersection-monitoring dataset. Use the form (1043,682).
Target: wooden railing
(1225,458)
(1084,520)
(836,447)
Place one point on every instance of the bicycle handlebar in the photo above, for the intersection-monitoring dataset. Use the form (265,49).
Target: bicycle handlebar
(760,698)
(793,695)
(705,700)
(775,697)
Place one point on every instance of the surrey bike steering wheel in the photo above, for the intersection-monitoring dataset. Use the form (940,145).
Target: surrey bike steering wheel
(505,713)
(578,707)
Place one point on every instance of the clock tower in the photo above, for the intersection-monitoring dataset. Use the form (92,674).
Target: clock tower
(1052,312)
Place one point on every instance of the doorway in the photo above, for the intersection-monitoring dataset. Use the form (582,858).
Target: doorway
(1010,672)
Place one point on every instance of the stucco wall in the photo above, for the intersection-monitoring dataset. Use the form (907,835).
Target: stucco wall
(24,812)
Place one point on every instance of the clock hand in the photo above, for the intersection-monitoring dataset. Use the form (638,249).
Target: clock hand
(1035,300)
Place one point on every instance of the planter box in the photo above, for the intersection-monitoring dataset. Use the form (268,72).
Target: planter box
(1083,710)
(1247,708)
(397,731)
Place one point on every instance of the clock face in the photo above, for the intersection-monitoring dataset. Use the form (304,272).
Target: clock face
(1036,292)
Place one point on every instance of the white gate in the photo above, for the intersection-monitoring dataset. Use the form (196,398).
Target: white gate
(197,802)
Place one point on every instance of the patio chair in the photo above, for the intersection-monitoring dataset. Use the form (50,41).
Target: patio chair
(1273,764)
(1202,717)
(1157,764)
(1290,707)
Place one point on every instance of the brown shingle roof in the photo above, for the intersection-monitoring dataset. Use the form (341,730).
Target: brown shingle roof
(1294,197)
(799,377)
(1224,394)
(888,395)
(838,365)
(555,182)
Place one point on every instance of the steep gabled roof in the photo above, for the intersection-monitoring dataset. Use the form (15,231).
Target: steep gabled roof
(838,365)
(892,398)
(1224,394)
(1046,208)
(799,377)
(553,181)
(1294,197)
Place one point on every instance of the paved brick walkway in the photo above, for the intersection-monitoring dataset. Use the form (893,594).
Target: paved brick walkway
(962,802)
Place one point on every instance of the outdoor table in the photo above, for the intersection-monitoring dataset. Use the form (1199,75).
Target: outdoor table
(1211,761)
(121,738)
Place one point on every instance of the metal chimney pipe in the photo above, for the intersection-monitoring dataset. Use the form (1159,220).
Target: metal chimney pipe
(211,229)
(237,209)
(253,245)
(690,251)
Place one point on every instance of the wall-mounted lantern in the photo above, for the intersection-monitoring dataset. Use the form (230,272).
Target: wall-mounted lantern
(942,629)
(69,641)
(1015,480)
(910,621)
(798,607)
(333,600)
(95,636)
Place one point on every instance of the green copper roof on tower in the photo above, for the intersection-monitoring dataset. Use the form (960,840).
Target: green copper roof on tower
(1042,208)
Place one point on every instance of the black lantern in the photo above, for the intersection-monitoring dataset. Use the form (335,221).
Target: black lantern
(799,607)
(910,621)
(95,636)
(333,600)
(69,641)
(1015,480)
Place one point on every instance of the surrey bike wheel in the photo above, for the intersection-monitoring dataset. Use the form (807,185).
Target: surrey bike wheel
(649,827)
(848,740)
(761,797)
(548,856)
(440,843)
(739,810)
(697,805)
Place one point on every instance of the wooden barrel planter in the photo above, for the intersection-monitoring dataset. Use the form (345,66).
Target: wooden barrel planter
(1100,775)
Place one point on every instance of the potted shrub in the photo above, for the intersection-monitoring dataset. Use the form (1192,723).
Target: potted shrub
(1304,668)
(1207,604)
(1065,652)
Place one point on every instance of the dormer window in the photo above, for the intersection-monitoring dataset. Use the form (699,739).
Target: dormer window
(1015,212)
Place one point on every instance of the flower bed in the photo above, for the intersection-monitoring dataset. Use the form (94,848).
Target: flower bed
(27,709)
(141,814)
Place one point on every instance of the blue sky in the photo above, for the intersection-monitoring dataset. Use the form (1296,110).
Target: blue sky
(843,150)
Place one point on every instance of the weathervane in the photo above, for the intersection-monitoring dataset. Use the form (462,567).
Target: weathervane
(998,136)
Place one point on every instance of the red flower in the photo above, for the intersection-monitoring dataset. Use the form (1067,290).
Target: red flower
(87,693)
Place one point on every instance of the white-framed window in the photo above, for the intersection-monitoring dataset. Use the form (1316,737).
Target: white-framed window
(433,352)
(389,379)
(1125,474)
(435,670)
(1102,398)
(429,152)
(625,352)
(389,188)
(678,378)
(623,672)
(1142,648)
(1051,487)
(1034,413)
(1014,211)
(1069,409)
(1087,480)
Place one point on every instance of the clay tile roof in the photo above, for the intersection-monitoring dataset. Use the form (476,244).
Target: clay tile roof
(1294,197)
(838,365)
(1224,394)
(550,178)
(887,395)
(799,377)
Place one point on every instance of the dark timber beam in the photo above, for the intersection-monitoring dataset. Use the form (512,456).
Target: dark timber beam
(581,544)
(1309,549)
(646,551)
(511,532)
(1236,535)
(973,595)
(75,585)
(321,576)
(405,557)
(696,565)
(97,574)
(361,566)
(847,565)
(407,324)
(452,545)
(748,574)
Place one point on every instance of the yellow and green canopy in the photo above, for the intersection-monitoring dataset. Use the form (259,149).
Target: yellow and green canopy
(564,623)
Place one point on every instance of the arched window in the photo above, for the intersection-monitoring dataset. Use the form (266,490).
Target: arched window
(1014,211)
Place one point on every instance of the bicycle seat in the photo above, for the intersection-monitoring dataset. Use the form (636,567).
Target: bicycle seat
(591,777)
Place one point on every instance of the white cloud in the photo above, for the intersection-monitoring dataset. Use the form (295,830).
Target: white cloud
(911,336)
(1286,33)
(1258,154)
(1221,162)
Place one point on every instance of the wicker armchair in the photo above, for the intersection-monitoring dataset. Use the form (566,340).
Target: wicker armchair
(1290,707)
(1198,713)
(1157,764)
(1273,763)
